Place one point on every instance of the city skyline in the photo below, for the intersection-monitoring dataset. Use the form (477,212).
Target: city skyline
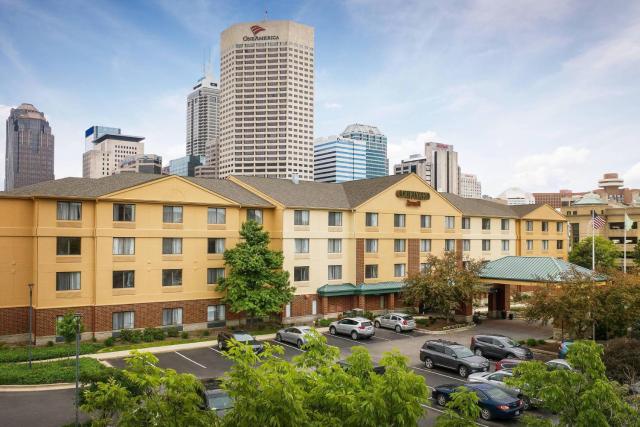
(541,104)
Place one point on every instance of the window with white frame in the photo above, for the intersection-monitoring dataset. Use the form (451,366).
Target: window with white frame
(335,272)
(486,245)
(216,245)
(335,246)
(214,275)
(122,320)
(68,281)
(371,271)
(371,219)
(504,224)
(255,215)
(399,270)
(124,212)
(69,211)
(216,313)
(124,245)
(300,217)
(335,219)
(216,216)
(505,246)
(171,316)
(371,245)
(399,245)
(425,221)
(449,222)
(425,245)
(466,245)
(172,277)
(302,246)
(171,246)
(399,220)
(172,214)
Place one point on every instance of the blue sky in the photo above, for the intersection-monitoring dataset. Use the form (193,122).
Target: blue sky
(538,94)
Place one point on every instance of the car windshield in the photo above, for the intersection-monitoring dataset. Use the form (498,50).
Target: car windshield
(510,343)
(462,352)
(243,337)
(219,401)
(304,330)
(497,394)
(366,323)
(407,317)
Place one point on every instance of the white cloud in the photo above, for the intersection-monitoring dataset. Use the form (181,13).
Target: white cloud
(557,166)
(632,176)
(332,105)
(398,151)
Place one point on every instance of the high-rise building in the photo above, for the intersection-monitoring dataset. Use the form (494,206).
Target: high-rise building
(202,115)
(416,163)
(143,163)
(105,153)
(445,171)
(29,148)
(470,187)
(517,196)
(377,161)
(338,159)
(266,99)
(210,168)
(185,166)
(95,132)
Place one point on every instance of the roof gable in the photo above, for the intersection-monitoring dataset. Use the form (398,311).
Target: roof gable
(480,207)
(537,211)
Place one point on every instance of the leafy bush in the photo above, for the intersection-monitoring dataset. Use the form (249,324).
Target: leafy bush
(67,327)
(152,334)
(622,360)
(324,322)
(133,336)
(21,354)
(49,343)
(184,335)
(542,342)
(522,342)
(205,333)
(109,341)
(60,371)
(369,315)
(172,332)
(532,342)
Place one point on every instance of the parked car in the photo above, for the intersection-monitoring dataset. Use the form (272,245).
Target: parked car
(559,364)
(241,336)
(356,327)
(499,347)
(398,321)
(451,355)
(564,348)
(214,398)
(378,369)
(498,379)
(508,363)
(295,335)
(493,401)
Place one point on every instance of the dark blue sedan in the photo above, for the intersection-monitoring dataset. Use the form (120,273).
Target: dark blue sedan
(493,401)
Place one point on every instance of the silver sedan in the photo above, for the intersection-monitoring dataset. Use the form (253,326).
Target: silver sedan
(296,335)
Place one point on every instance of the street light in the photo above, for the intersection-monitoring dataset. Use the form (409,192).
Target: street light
(77,317)
(30,285)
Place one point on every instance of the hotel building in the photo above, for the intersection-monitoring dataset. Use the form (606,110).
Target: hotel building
(136,250)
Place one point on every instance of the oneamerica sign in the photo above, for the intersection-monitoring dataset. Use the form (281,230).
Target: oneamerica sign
(413,195)
(259,38)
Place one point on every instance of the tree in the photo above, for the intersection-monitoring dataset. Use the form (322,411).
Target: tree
(622,360)
(444,285)
(67,327)
(583,396)
(606,253)
(256,284)
(636,254)
(461,411)
(147,395)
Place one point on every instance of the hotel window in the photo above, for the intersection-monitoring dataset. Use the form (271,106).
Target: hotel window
(399,245)
(486,245)
(216,313)
(559,244)
(504,224)
(424,267)
(171,316)
(449,222)
(545,245)
(466,223)
(545,225)
(335,246)
(335,219)
(214,275)
(466,245)
(124,245)
(371,219)
(172,277)
(399,220)
(335,272)
(505,246)
(172,214)
(314,307)
(302,246)
(122,320)
(124,212)
(171,246)
(216,216)
(301,274)
(559,227)
(449,245)
(486,223)
(215,245)
(300,217)
(254,215)
(371,271)
(425,221)
(529,225)
(425,245)
(371,245)
(529,245)
(69,211)
(68,245)
(399,270)
(123,279)
(68,281)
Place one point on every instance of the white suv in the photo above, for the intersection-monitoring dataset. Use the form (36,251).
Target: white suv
(398,321)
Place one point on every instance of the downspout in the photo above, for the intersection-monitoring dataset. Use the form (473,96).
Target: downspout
(35,277)
(95,265)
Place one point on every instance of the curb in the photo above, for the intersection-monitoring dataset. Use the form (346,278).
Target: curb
(545,352)
(448,331)
(35,387)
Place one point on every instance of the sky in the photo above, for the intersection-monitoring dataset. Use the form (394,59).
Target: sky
(537,94)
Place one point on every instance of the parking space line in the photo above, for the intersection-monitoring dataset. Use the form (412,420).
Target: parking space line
(288,345)
(380,338)
(424,405)
(343,338)
(438,373)
(216,350)
(190,360)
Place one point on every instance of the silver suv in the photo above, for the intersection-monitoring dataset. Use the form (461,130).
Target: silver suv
(398,321)
(356,327)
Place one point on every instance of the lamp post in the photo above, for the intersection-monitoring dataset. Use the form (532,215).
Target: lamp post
(77,317)
(30,320)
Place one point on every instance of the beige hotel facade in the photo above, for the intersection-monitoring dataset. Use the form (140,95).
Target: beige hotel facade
(136,250)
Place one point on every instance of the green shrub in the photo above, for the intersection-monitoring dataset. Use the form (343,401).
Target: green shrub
(184,335)
(67,327)
(49,343)
(60,371)
(369,315)
(325,322)
(152,334)
(522,342)
(541,342)
(172,332)
(205,333)
(21,354)
(109,342)
(532,342)
(133,336)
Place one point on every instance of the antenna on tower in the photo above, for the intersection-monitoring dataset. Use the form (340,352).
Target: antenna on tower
(266,12)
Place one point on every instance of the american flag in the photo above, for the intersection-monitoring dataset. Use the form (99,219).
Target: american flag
(598,222)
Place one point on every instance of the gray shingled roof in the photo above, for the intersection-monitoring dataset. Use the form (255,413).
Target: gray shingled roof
(522,210)
(480,207)
(533,269)
(91,188)
(362,190)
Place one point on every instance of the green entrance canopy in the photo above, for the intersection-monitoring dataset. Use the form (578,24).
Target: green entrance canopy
(361,289)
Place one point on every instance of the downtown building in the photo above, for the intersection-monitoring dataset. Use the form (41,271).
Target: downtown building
(438,166)
(106,149)
(138,250)
(339,159)
(376,147)
(470,186)
(143,163)
(267,100)
(29,155)
(203,118)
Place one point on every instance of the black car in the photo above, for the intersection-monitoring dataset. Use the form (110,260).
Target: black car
(493,401)
(449,354)
(241,336)
(214,398)
(378,369)
(499,347)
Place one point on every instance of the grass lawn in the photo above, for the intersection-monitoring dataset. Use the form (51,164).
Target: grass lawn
(21,353)
(60,371)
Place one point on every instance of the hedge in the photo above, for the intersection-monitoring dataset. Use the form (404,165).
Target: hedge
(59,371)
(21,354)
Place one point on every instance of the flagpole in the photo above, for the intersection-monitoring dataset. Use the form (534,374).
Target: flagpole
(593,240)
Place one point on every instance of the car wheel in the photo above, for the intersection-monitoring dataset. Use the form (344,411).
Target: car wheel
(332,330)
(527,403)
(377,324)
(278,337)
(463,371)
(300,343)
(354,335)
(428,363)
(442,401)
(478,352)
(485,414)
(398,329)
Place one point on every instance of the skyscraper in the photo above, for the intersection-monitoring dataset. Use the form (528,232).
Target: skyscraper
(30,148)
(377,161)
(338,159)
(104,154)
(202,115)
(416,163)
(445,172)
(470,187)
(266,100)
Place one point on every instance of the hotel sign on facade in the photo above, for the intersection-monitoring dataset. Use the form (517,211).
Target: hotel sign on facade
(414,198)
